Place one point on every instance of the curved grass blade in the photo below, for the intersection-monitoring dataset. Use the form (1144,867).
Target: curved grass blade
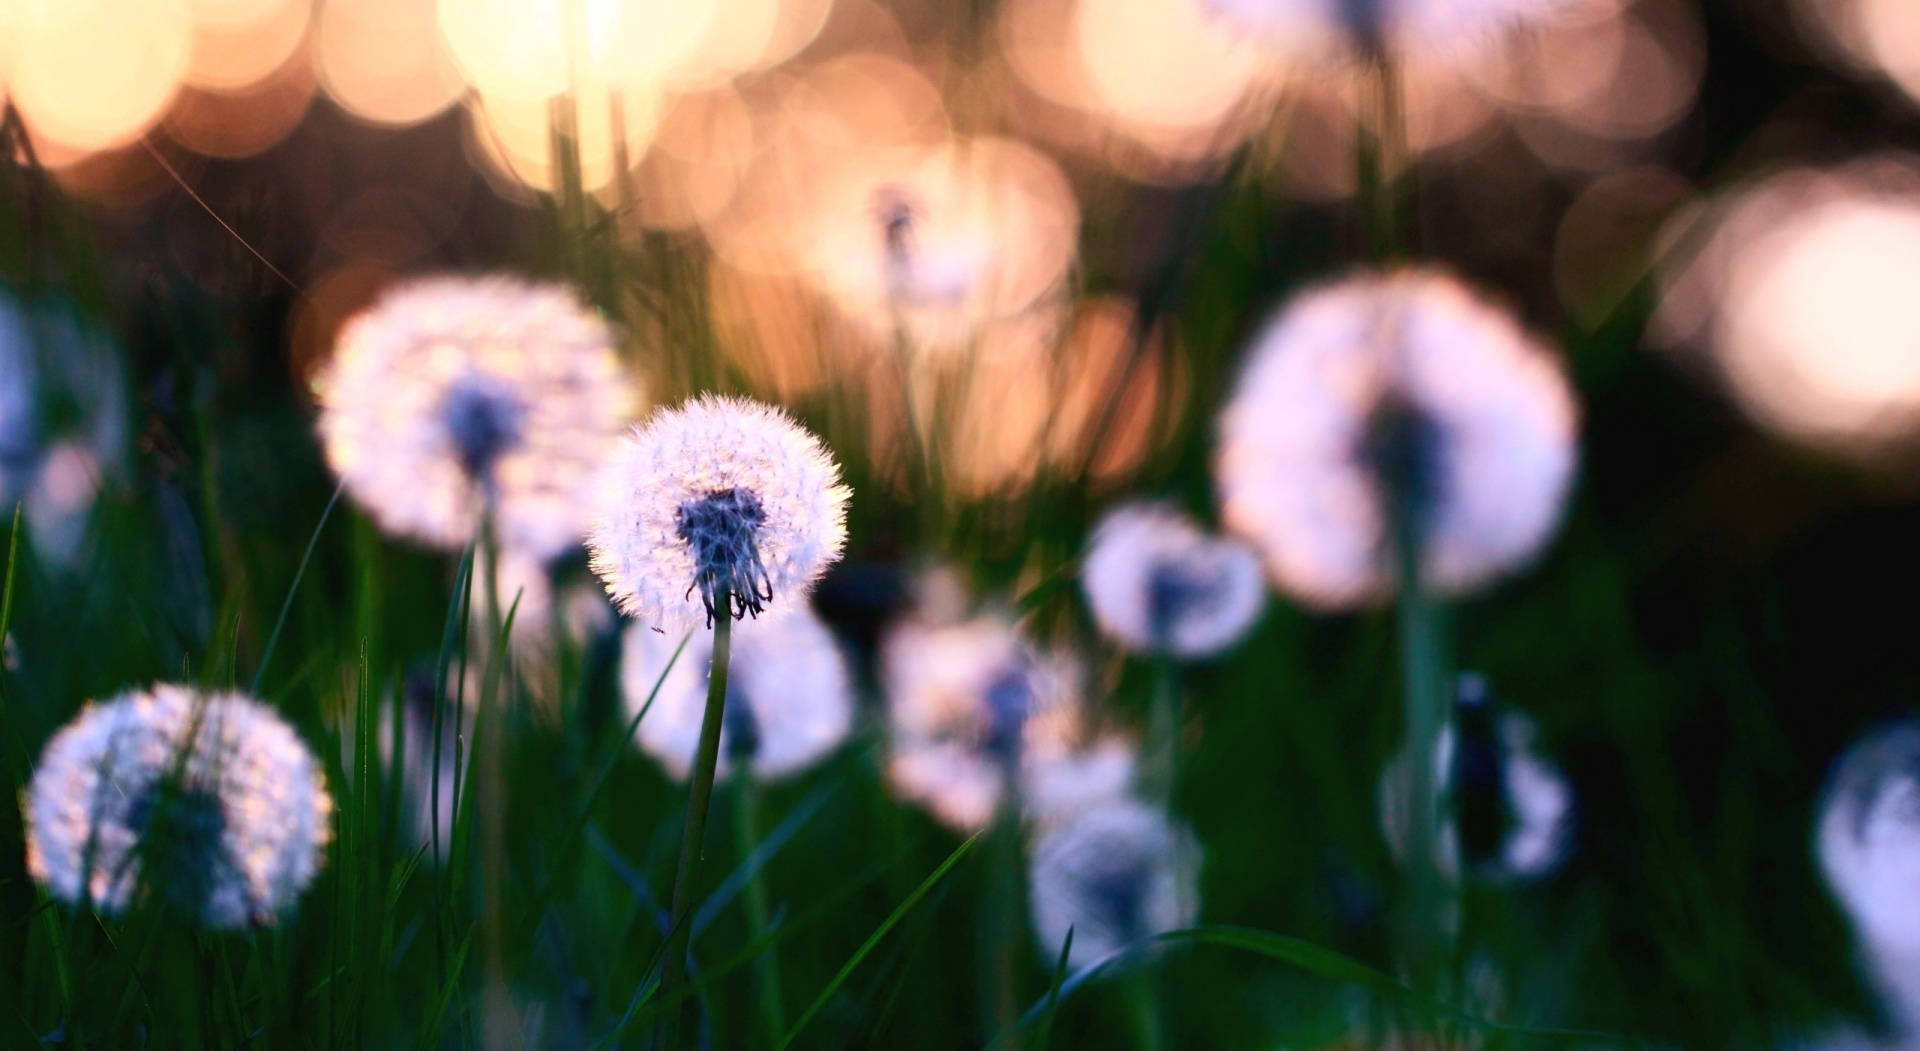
(1308,957)
(273,637)
(893,919)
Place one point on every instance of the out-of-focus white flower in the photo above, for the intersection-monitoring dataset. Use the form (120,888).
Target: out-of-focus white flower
(210,801)
(1506,811)
(789,695)
(63,422)
(1395,393)
(1114,875)
(972,709)
(720,507)
(1059,787)
(934,245)
(451,393)
(1427,31)
(1156,583)
(1868,841)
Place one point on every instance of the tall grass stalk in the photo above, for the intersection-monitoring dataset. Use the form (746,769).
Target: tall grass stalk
(699,800)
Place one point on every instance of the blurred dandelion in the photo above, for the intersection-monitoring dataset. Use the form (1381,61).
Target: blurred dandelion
(63,422)
(722,507)
(1387,395)
(1506,810)
(931,245)
(1114,875)
(1157,583)
(454,397)
(972,709)
(1868,841)
(210,801)
(789,695)
(1062,786)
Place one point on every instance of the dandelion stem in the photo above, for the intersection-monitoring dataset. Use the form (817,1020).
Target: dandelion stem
(766,965)
(1003,930)
(699,800)
(1422,678)
(1379,156)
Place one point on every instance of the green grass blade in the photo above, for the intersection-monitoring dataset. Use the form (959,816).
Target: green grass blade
(273,637)
(893,918)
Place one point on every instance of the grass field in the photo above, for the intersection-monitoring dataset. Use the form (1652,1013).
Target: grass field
(1718,612)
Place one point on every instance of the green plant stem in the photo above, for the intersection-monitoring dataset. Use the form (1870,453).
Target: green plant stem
(1379,161)
(746,833)
(699,800)
(1003,919)
(489,771)
(1147,1009)
(1423,693)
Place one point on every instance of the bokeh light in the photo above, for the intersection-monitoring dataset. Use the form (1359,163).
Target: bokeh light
(91,74)
(1800,296)
(237,43)
(382,60)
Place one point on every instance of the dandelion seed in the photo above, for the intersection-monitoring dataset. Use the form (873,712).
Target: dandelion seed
(1868,841)
(1395,394)
(1507,810)
(721,498)
(211,802)
(1156,583)
(1114,875)
(789,695)
(973,709)
(453,394)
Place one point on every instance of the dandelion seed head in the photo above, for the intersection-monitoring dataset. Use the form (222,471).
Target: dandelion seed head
(216,791)
(720,507)
(1061,786)
(453,391)
(1868,838)
(1157,583)
(972,708)
(1506,810)
(789,695)
(1395,392)
(1115,874)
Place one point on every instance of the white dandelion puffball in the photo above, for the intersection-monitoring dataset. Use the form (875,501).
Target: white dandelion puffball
(972,709)
(1427,31)
(1395,391)
(1868,841)
(1114,875)
(1058,787)
(722,506)
(1506,810)
(789,695)
(453,392)
(1158,584)
(210,801)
